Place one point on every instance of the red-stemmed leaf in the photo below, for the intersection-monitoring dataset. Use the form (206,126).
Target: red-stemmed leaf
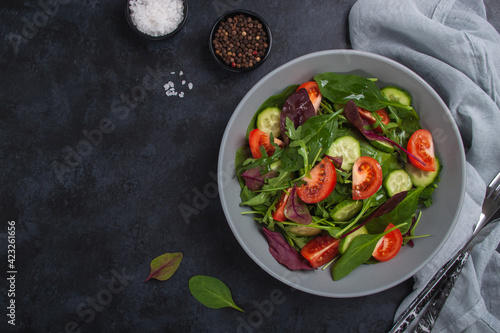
(284,253)
(352,114)
(298,107)
(164,266)
(296,210)
(254,180)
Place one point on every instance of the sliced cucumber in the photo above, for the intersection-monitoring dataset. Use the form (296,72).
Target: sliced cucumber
(348,148)
(302,230)
(397,181)
(344,243)
(346,210)
(421,177)
(269,121)
(397,94)
(384,146)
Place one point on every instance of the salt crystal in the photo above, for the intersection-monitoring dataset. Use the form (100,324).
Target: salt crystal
(190,85)
(183,82)
(156,17)
(181,94)
(181,73)
(173,73)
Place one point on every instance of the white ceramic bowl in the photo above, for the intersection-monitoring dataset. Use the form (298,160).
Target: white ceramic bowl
(438,220)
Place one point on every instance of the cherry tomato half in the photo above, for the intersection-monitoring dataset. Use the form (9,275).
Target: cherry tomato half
(314,94)
(367,115)
(389,245)
(366,177)
(279,213)
(320,250)
(258,138)
(421,145)
(321,184)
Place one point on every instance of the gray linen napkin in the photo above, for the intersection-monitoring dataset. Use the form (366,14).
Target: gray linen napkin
(451,45)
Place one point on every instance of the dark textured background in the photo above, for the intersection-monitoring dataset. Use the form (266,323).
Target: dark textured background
(86,214)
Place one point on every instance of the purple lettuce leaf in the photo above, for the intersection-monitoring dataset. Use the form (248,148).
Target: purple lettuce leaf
(284,253)
(385,208)
(352,114)
(296,210)
(254,180)
(298,107)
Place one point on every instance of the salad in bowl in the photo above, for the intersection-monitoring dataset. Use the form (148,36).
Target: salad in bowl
(336,170)
(299,173)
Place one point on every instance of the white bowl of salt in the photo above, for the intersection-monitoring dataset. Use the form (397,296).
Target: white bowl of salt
(156,19)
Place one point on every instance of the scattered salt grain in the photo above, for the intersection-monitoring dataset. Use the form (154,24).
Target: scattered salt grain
(156,17)
(170,87)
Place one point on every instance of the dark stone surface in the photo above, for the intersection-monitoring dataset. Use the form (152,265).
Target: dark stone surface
(96,162)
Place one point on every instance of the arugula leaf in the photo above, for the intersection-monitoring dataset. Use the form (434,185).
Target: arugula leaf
(340,88)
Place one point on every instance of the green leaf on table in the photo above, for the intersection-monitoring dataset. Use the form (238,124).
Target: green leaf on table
(164,266)
(211,292)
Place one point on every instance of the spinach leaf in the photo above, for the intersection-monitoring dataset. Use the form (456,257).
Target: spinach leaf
(211,292)
(358,252)
(273,101)
(403,211)
(258,199)
(340,88)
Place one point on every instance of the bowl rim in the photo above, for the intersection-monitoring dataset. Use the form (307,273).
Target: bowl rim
(221,176)
(150,37)
(226,15)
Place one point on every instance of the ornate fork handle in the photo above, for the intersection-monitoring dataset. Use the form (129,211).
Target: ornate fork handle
(426,295)
(430,315)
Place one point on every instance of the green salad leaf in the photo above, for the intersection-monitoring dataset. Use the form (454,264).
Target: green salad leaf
(211,292)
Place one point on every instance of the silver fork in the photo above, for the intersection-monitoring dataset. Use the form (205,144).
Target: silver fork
(439,287)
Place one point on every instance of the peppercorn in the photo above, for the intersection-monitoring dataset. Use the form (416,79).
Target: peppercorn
(240,41)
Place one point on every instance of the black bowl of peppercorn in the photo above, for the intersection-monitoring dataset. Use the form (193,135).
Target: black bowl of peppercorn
(240,40)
